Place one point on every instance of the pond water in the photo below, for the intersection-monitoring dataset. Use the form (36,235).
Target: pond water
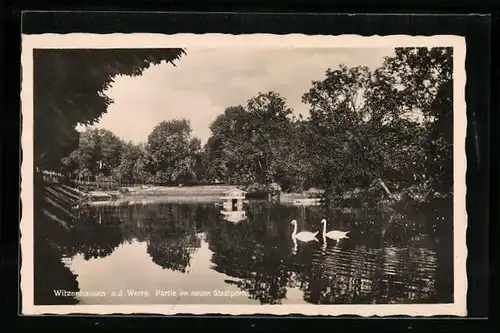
(190,253)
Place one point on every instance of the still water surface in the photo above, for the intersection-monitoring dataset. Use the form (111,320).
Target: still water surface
(145,254)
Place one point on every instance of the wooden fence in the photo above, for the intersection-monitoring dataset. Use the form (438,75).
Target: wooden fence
(51,177)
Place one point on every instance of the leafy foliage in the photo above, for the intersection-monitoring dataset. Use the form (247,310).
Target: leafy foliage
(172,152)
(132,167)
(248,143)
(381,125)
(99,152)
(68,90)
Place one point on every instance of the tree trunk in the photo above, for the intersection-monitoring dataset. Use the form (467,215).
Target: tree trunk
(384,187)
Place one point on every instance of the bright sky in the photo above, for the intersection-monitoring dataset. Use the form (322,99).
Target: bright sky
(207,81)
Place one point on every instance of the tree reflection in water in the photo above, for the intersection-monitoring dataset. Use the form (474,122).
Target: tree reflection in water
(172,236)
(256,252)
(96,235)
(384,262)
(169,230)
(391,257)
(52,218)
(50,275)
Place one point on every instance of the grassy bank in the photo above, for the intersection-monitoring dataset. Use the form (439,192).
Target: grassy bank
(177,191)
(288,198)
(152,199)
(207,190)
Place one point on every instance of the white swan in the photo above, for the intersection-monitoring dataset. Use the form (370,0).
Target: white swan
(304,236)
(333,234)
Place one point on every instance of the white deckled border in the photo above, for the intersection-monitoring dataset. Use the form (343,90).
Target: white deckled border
(190,41)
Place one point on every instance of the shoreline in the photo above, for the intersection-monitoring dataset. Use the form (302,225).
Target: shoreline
(185,194)
(209,194)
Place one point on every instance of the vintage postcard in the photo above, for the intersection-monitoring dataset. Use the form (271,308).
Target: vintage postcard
(243,174)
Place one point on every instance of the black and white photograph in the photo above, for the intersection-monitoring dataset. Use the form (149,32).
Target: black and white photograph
(243,174)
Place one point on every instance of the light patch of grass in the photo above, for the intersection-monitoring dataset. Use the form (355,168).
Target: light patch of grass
(213,190)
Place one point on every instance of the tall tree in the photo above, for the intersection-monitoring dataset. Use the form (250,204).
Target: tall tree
(246,142)
(98,153)
(131,169)
(270,123)
(111,151)
(227,144)
(68,90)
(293,157)
(418,85)
(172,152)
(338,143)
(377,125)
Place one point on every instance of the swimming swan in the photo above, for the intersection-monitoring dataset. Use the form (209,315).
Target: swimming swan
(334,234)
(304,236)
